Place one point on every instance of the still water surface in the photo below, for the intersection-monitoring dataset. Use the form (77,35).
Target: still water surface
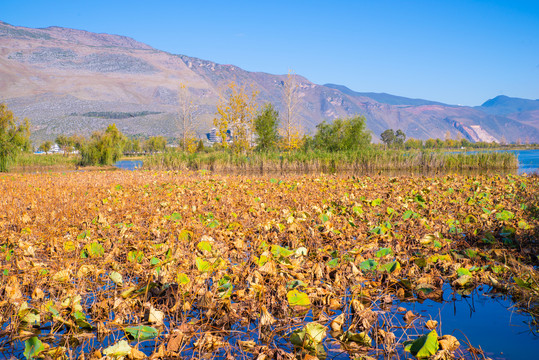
(129,164)
(528,161)
(488,320)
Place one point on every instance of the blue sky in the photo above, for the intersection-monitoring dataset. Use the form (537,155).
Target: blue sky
(458,52)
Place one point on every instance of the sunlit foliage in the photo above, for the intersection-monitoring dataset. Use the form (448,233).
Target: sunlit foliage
(266,126)
(343,134)
(155,144)
(103,148)
(236,112)
(14,137)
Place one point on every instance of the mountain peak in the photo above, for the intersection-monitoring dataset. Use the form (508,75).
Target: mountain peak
(496,101)
(80,37)
(503,105)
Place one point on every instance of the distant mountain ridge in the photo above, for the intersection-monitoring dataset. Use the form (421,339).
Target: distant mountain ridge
(384,98)
(504,105)
(55,75)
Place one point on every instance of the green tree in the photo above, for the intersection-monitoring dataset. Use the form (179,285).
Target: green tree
(388,137)
(267,128)
(400,138)
(200,146)
(307,143)
(77,141)
(45,147)
(104,147)
(66,144)
(343,134)
(430,143)
(413,144)
(132,146)
(465,142)
(155,144)
(13,138)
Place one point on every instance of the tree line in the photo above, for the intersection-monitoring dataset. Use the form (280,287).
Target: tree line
(243,127)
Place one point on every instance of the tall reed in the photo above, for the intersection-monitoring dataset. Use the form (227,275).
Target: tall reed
(316,160)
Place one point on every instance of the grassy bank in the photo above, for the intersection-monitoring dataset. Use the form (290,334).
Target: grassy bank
(368,160)
(41,162)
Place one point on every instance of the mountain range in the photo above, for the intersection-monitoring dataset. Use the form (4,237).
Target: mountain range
(68,81)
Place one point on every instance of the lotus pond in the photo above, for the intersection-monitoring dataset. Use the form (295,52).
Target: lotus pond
(175,264)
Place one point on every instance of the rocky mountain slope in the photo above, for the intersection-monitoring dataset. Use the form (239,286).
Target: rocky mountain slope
(60,78)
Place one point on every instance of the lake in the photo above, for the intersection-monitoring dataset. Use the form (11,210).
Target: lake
(487,319)
(528,161)
(129,164)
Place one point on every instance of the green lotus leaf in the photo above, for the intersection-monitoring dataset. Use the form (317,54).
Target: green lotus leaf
(463,271)
(279,251)
(204,246)
(33,347)
(297,298)
(203,265)
(424,346)
(182,279)
(80,320)
(390,267)
(141,333)
(383,252)
(368,265)
(361,338)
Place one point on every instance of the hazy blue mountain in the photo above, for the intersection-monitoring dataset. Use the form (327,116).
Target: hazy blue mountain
(384,98)
(504,105)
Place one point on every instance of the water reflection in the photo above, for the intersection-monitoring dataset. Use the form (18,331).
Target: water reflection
(485,318)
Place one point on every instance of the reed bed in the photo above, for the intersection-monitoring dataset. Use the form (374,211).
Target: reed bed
(320,161)
(42,162)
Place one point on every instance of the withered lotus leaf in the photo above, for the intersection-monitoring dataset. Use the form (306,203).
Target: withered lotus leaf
(222,264)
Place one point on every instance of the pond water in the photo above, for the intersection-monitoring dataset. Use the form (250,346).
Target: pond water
(128,164)
(528,160)
(482,319)
(486,319)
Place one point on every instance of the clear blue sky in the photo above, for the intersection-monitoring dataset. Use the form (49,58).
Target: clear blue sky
(458,52)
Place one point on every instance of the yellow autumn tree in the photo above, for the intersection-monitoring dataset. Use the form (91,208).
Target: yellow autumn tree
(236,112)
(291,131)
